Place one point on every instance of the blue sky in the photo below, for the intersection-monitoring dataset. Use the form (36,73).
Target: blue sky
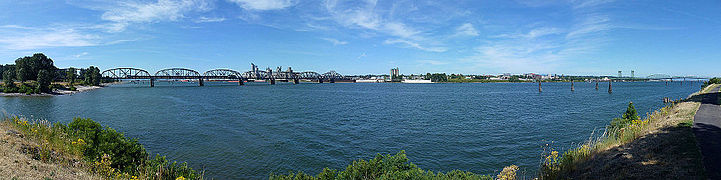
(594,37)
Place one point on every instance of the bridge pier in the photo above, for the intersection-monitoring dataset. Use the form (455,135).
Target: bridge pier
(152,82)
(272,81)
(539,86)
(596,85)
(332,80)
(296,81)
(320,80)
(200,82)
(572,88)
(240,82)
(609,86)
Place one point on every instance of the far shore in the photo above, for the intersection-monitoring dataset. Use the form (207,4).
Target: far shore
(57,92)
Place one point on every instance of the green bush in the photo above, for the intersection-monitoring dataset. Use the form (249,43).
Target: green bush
(382,167)
(10,90)
(629,116)
(714,81)
(72,88)
(126,154)
(24,88)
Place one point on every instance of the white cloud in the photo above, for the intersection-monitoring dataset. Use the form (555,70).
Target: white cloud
(204,19)
(578,4)
(81,55)
(466,29)
(431,62)
(590,26)
(263,5)
(361,56)
(533,33)
(400,30)
(367,16)
(335,41)
(415,45)
(125,13)
(28,38)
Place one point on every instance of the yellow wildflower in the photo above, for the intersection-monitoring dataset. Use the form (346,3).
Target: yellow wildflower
(180,178)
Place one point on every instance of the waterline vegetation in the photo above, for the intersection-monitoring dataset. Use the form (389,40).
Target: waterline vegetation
(634,147)
(102,150)
(37,74)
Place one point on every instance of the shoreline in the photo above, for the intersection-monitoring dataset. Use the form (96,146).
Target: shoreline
(58,92)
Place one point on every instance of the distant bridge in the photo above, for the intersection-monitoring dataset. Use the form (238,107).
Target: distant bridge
(224,74)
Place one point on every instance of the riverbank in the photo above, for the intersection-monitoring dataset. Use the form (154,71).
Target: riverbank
(82,149)
(662,145)
(56,92)
(20,158)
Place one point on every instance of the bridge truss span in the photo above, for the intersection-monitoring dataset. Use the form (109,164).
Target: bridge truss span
(125,73)
(268,75)
(229,73)
(177,72)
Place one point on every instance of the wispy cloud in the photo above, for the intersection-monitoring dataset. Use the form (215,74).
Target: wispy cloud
(544,48)
(365,15)
(263,5)
(14,37)
(125,13)
(415,45)
(204,19)
(335,41)
(466,29)
(431,62)
(81,55)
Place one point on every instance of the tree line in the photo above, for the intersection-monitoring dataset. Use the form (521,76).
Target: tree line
(37,72)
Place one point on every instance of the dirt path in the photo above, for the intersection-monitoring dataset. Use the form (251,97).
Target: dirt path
(707,128)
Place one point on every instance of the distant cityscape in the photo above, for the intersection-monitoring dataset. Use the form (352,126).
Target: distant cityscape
(396,76)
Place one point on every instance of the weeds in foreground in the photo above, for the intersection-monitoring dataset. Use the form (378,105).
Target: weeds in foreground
(105,151)
(392,167)
(620,131)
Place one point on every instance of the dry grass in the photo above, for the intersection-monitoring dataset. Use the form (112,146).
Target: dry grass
(20,158)
(662,145)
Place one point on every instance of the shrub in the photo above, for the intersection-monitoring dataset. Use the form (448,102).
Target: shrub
(109,152)
(25,89)
(629,116)
(383,167)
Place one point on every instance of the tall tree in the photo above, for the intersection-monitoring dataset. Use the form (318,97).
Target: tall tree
(8,79)
(96,76)
(70,75)
(44,79)
(28,67)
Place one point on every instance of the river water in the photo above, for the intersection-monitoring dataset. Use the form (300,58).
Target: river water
(239,132)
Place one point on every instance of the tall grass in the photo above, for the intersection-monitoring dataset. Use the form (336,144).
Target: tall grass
(614,135)
(100,149)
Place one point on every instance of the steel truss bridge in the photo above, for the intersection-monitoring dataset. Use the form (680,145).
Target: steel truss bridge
(224,74)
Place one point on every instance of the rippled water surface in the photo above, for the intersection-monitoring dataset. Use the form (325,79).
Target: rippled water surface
(250,131)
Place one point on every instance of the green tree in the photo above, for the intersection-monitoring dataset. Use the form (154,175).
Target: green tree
(8,82)
(87,75)
(626,118)
(631,113)
(96,76)
(28,67)
(70,75)
(22,71)
(44,79)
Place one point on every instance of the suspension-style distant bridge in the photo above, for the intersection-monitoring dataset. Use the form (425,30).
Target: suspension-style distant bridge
(253,75)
